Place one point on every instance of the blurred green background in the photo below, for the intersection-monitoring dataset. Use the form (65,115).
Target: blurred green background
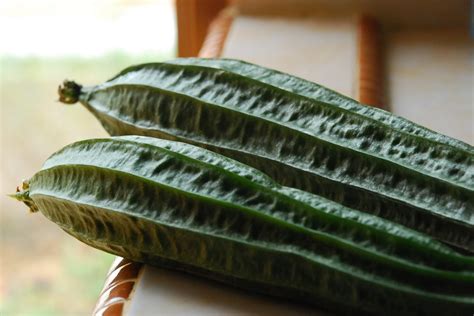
(44,271)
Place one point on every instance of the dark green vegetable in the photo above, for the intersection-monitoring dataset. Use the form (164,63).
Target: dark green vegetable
(299,133)
(180,206)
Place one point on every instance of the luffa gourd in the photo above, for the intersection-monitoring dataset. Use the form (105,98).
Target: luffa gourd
(301,134)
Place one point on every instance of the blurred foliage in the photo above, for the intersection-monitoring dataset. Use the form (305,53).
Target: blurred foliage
(44,271)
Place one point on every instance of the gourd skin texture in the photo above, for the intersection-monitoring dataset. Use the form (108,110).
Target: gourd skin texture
(180,206)
(361,157)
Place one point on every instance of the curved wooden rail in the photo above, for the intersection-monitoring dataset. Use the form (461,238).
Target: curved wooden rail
(118,286)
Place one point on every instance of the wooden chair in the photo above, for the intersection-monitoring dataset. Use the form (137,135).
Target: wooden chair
(358,63)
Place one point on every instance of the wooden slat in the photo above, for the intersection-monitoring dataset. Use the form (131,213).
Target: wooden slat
(193,19)
(370,80)
(217,34)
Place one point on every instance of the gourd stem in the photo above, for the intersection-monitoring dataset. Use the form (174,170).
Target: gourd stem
(23,195)
(69,92)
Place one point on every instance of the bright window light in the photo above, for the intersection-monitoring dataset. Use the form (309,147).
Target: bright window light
(86,28)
